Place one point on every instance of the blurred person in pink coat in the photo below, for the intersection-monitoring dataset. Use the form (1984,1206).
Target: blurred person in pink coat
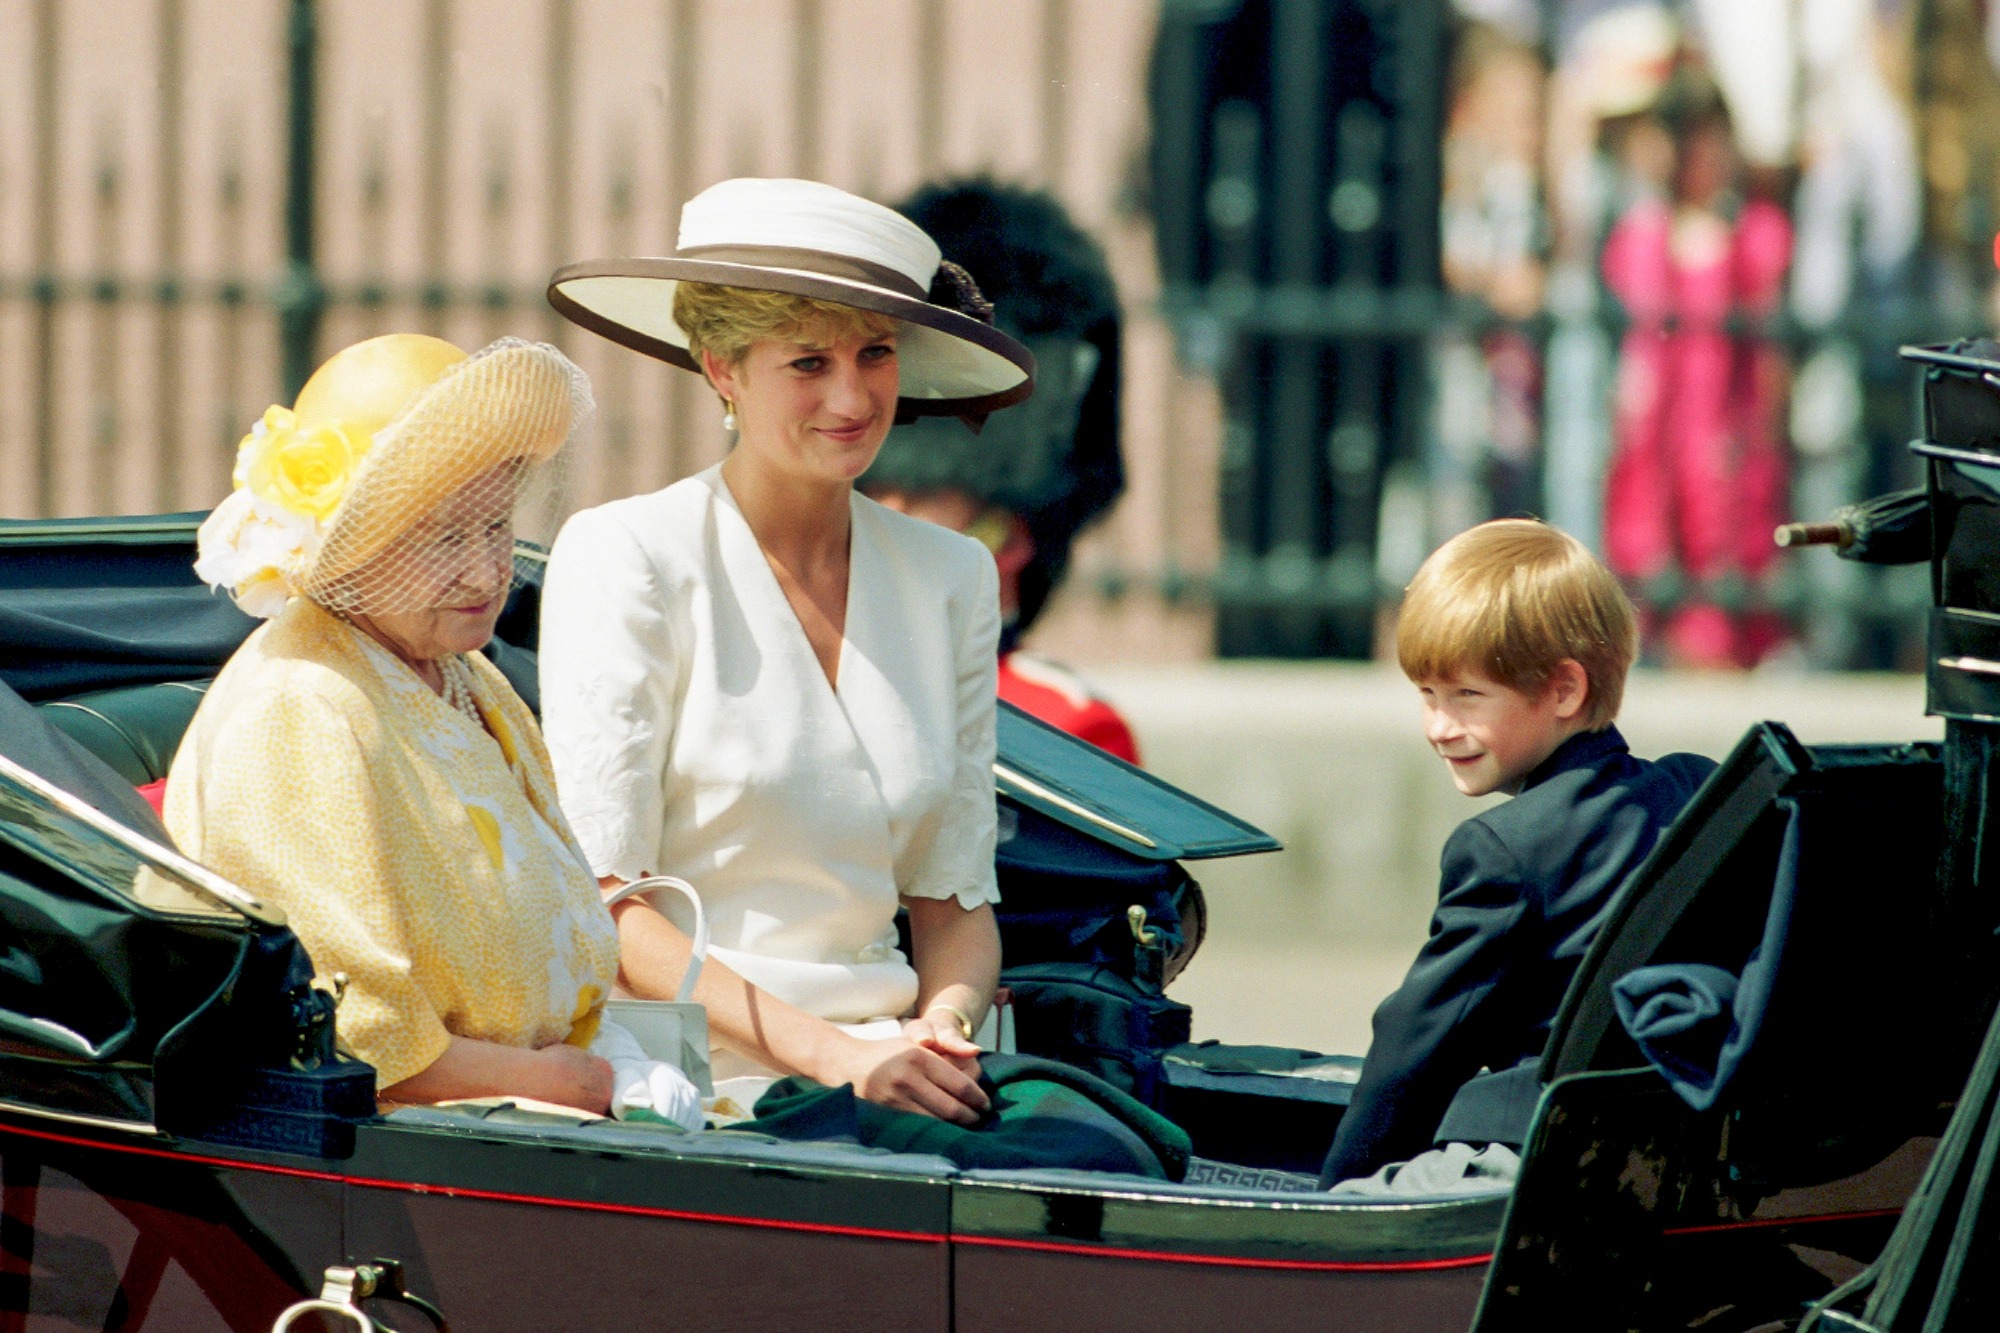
(1698,473)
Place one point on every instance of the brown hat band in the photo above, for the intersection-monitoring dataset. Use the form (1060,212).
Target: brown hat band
(823,262)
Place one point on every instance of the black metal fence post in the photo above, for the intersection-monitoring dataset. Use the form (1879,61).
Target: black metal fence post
(48,50)
(172,158)
(1292,484)
(1297,174)
(300,298)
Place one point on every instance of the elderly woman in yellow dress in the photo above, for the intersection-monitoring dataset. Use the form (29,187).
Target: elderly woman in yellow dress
(769,685)
(361,765)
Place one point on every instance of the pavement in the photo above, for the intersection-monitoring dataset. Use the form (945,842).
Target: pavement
(1329,758)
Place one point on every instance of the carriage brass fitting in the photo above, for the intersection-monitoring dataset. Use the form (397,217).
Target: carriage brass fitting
(1149,959)
(339,987)
(340,1295)
(1836,534)
(345,1286)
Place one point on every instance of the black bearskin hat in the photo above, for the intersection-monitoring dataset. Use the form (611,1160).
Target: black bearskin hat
(1054,459)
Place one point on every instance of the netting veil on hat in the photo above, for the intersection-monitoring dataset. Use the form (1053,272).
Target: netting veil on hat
(400,480)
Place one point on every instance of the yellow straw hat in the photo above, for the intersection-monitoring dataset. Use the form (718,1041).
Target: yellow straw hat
(381,436)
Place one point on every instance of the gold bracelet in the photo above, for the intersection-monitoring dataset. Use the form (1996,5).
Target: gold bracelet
(964,1020)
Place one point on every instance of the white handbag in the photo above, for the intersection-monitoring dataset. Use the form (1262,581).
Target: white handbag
(675,1030)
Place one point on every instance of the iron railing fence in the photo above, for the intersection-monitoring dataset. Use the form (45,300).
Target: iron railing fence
(164,276)
(212,194)
(1845,615)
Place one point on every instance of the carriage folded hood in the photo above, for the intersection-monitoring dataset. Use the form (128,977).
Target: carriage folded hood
(1103,797)
(135,987)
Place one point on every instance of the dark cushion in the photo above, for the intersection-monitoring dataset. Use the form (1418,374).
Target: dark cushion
(134,729)
(1696,1022)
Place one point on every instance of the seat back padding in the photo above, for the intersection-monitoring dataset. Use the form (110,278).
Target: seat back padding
(135,729)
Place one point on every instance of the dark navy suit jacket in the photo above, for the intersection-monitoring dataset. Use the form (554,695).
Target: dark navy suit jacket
(1457,1048)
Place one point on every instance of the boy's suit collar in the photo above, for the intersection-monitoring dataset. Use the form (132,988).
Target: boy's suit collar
(1582,750)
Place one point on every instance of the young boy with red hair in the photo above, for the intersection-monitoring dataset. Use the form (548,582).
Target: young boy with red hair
(1518,641)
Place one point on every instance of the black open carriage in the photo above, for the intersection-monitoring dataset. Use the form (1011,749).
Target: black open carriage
(178,1151)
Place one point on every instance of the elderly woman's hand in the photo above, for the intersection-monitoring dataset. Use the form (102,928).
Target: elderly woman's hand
(572,1076)
(900,1074)
(563,1074)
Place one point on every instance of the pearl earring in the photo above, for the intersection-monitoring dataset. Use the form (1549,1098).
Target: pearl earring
(729,416)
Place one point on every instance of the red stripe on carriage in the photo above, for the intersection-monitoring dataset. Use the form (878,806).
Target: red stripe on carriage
(821,1228)
(642,1210)
(1747,1224)
(873,1233)
(459,1192)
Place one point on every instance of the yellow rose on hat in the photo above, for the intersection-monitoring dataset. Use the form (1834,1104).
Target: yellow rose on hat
(306,470)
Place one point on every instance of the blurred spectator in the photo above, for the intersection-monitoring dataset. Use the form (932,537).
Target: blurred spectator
(1612,62)
(1859,207)
(1750,48)
(1698,473)
(1492,204)
(1820,183)
(1488,438)
(1858,211)
(1958,126)
(1610,70)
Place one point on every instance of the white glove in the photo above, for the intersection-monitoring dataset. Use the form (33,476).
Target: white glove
(641,1083)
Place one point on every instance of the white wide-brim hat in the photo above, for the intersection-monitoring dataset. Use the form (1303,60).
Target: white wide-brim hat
(815,240)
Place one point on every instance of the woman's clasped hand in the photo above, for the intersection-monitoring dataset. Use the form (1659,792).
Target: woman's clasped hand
(913,1074)
(561,1074)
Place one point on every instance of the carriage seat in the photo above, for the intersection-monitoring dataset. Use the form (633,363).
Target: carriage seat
(1259,1108)
(134,729)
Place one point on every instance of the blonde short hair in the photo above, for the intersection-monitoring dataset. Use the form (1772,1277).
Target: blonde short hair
(727,320)
(1511,599)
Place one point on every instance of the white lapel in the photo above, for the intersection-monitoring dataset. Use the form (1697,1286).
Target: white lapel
(893,681)
(829,714)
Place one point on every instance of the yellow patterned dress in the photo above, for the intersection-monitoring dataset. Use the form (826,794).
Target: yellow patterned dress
(414,850)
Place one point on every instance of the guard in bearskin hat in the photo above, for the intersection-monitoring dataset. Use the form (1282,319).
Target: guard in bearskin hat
(1036,475)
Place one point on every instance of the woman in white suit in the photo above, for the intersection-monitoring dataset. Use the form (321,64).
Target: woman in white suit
(763,682)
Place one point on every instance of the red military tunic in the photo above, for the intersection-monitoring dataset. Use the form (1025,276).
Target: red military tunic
(1058,697)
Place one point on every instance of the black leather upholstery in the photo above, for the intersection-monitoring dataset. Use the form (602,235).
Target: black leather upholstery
(135,729)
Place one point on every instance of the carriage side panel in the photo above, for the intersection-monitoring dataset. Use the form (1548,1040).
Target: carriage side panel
(1050,1254)
(505,1234)
(110,1231)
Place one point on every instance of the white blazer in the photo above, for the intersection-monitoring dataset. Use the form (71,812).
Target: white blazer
(694,733)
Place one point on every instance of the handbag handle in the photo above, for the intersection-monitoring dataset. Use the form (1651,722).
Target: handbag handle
(646,884)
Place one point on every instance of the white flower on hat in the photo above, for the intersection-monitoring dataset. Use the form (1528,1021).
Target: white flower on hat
(252,547)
